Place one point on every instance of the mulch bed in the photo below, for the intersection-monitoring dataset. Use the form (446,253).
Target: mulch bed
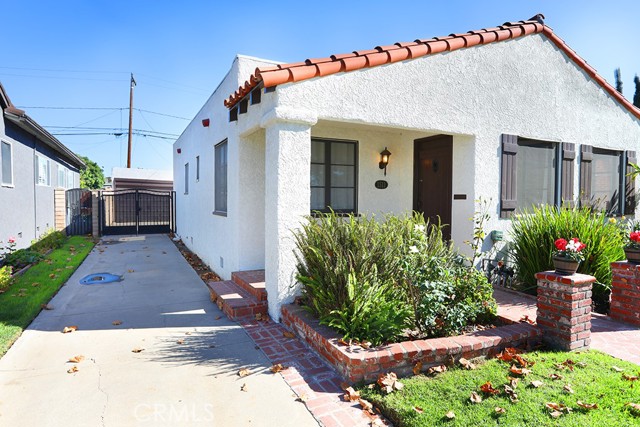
(203,270)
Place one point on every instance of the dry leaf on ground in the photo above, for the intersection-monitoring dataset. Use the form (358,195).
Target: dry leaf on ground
(180,341)
(217,318)
(466,364)
(536,384)
(568,389)
(366,405)
(73,370)
(243,372)
(243,387)
(513,397)
(488,388)
(389,382)
(587,405)
(635,408)
(130,271)
(258,316)
(615,368)
(116,322)
(555,377)
(519,371)
(498,410)
(418,409)
(450,415)
(475,397)
(507,354)
(630,377)
(137,350)
(68,329)
(277,368)
(351,395)
(417,368)
(76,359)
(46,307)
(436,369)
(302,398)
(288,334)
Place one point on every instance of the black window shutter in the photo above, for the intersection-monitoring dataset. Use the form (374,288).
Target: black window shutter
(586,156)
(630,185)
(508,196)
(568,171)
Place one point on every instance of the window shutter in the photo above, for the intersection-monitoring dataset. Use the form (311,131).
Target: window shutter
(630,185)
(586,156)
(508,196)
(568,172)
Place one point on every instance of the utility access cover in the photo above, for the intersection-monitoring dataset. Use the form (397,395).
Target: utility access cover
(98,278)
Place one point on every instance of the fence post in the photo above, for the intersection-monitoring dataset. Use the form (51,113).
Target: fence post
(95,214)
(625,292)
(60,209)
(564,310)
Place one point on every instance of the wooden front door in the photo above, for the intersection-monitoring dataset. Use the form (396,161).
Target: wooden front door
(432,175)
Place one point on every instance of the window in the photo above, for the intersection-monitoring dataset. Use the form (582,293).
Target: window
(71,179)
(535,173)
(220,177)
(186,178)
(333,175)
(44,171)
(7,164)
(63,177)
(197,168)
(601,179)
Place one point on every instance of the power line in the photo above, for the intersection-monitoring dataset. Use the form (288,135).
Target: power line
(106,128)
(103,108)
(117,134)
(64,71)
(64,78)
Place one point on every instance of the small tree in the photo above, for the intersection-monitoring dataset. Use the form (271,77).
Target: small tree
(618,78)
(636,97)
(92,176)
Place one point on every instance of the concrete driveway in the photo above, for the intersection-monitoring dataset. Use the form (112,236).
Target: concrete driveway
(186,374)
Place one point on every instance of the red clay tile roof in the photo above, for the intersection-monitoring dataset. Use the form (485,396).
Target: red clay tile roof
(320,67)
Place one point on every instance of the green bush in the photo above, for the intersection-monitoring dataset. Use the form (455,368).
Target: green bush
(22,257)
(533,235)
(49,240)
(5,277)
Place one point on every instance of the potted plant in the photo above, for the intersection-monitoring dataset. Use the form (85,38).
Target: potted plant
(567,256)
(632,248)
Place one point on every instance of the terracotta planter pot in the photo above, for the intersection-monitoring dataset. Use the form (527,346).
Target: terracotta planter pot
(564,266)
(633,255)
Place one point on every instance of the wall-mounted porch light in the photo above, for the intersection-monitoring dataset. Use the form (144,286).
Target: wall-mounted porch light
(384,160)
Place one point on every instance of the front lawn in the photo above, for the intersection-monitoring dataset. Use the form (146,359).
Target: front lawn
(22,302)
(595,378)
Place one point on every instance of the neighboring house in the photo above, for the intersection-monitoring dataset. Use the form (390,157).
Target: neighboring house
(510,114)
(32,164)
(141,179)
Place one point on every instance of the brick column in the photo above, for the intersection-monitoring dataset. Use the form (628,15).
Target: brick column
(564,310)
(625,292)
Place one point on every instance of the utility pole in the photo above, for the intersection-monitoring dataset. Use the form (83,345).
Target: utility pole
(133,84)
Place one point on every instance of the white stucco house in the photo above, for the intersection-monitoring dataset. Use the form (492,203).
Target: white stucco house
(508,113)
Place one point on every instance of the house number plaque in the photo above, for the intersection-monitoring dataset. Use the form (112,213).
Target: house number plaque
(381,184)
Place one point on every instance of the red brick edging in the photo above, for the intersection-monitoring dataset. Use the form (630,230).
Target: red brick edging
(356,364)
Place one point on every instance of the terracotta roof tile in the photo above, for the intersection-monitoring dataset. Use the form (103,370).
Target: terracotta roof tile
(400,51)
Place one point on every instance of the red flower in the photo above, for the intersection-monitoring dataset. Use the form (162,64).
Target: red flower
(635,236)
(12,239)
(561,244)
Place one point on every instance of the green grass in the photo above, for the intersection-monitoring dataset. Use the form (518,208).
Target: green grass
(597,382)
(22,302)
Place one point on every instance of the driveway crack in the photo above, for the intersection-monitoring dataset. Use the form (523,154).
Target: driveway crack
(106,395)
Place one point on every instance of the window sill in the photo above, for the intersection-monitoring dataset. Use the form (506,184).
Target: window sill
(8,185)
(317,214)
(219,213)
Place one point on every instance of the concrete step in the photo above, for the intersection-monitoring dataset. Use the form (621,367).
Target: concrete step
(251,281)
(235,301)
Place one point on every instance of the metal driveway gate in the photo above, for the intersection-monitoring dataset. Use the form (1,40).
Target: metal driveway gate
(78,211)
(137,212)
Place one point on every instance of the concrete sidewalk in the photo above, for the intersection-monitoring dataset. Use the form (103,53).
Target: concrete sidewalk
(185,376)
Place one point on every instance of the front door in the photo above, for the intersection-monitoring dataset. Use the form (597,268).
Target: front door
(432,175)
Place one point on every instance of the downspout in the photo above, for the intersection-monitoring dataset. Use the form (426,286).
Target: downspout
(35,184)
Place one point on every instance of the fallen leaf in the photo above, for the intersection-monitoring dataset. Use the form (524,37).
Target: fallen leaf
(557,407)
(635,408)
(555,377)
(130,271)
(507,354)
(488,388)
(35,285)
(52,276)
(417,368)
(498,410)
(389,382)
(519,371)
(513,396)
(450,415)
(513,382)
(630,377)
(258,316)
(342,341)
(46,307)
(277,368)
(555,414)
(180,341)
(466,364)
(365,344)
(243,372)
(366,405)
(302,398)
(436,370)
(187,333)
(351,394)
(587,405)
(76,359)
(137,350)
(536,383)
(344,386)
(418,409)
(581,364)
(116,322)
(243,387)
(68,329)
(615,368)
(73,370)
(526,319)
(288,334)
(568,389)
(217,318)
(475,397)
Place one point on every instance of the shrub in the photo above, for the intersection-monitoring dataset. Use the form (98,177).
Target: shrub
(22,257)
(534,233)
(5,277)
(49,240)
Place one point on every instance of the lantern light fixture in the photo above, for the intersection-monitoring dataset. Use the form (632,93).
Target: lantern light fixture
(384,160)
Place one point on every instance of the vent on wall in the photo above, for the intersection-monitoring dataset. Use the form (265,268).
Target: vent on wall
(221,262)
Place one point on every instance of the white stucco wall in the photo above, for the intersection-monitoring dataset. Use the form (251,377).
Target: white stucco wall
(527,87)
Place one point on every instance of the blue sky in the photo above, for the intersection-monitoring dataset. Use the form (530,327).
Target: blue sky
(79,53)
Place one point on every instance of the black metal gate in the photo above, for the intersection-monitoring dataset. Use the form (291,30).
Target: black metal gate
(78,211)
(137,212)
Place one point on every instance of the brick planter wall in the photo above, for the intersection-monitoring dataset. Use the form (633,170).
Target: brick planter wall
(564,310)
(625,292)
(357,364)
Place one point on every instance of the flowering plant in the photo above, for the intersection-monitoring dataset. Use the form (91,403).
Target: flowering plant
(571,249)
